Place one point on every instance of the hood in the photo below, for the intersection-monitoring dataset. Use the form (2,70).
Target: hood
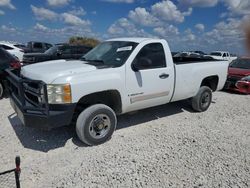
(238,72)
(51,70)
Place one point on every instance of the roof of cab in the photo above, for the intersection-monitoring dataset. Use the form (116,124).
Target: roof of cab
(137,40)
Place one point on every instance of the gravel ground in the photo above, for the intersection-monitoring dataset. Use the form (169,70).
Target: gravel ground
(166,146)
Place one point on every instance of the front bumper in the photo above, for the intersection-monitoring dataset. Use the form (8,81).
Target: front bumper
(243,87)
(29,100)
(240,86)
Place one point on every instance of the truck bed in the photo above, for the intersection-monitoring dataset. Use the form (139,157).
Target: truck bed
(187,60)
(191,71)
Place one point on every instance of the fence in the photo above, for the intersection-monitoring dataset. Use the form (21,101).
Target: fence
(10,178)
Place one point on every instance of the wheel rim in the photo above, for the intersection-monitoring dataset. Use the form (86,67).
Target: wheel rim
(205,100)
(99,126)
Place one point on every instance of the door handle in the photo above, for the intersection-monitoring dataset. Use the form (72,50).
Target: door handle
(164,76)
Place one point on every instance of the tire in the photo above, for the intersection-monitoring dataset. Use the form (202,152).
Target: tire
(1,90)
(96,124)
(202,100)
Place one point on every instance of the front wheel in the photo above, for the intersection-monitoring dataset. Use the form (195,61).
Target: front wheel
(96,124)
(202,100)
(1,90)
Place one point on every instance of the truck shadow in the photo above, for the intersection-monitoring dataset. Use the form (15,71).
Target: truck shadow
(40,140)
(45,141)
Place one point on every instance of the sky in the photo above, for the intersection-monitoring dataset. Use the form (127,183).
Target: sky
(206,25)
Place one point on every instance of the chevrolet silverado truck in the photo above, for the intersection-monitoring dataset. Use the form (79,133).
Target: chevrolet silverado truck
(116,77)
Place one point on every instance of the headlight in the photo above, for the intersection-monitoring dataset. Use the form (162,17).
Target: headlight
(59,93)
(247,78)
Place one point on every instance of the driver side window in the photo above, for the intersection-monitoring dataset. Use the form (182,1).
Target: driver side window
(151,56)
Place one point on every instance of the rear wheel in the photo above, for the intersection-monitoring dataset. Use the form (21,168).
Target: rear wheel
(96,124)
(1,90)
(202,100)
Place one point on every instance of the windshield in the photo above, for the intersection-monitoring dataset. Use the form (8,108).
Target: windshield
(111,53)
(215,54)
(52,50)
(241,64)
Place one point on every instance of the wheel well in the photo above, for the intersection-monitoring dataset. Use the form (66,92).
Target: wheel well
(211,82)
(110,98)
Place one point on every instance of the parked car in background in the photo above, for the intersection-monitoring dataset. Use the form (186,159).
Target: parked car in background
(116,77)
(174,53)
(6,60)
(220,55)
(41,47)
(187,54)
(239,76)
(13,48)
(199,52)
(56,52)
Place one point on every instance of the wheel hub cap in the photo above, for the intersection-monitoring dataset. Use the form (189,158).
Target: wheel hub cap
(100,126)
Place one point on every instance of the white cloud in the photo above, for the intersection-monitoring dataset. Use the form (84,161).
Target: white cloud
(58,3)
(74,20)
(198,3)
(2,12)
(7,3)
(168,11)
(68,18)
(119,1)
(77,11)
(123,27)
(60,34)
(40,27)
(200,27)
(166,31)
(43,14)
(238,6)
(188,35)
(226,35)
(8,29)
(143,17)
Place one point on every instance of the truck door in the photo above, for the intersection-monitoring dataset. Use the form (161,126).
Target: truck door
(150,81)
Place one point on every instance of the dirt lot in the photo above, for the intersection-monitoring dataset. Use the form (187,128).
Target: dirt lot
(166,146)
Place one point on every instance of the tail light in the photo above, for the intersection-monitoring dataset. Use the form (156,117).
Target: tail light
(15,64)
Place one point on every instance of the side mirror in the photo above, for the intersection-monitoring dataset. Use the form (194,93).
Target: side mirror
(135,66)
(142,63)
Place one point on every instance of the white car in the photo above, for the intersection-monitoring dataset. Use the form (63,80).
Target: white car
(116,77)
(221,55)
(13,48)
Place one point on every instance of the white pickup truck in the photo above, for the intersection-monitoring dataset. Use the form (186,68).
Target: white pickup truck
(118,76)
(220,55)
